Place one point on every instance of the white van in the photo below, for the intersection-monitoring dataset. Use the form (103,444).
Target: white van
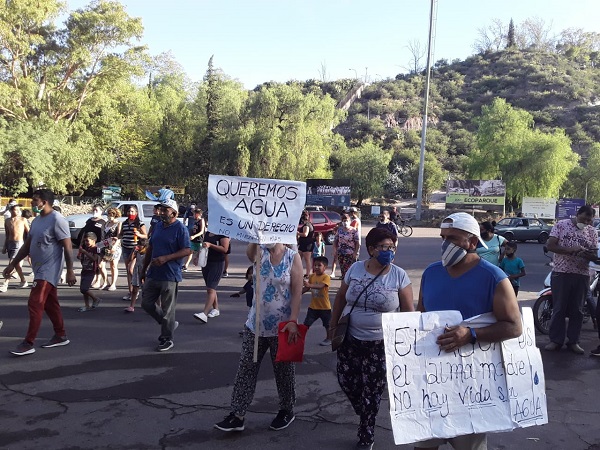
(145,210)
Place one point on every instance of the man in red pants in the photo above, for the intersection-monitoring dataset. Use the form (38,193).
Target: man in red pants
(49,245)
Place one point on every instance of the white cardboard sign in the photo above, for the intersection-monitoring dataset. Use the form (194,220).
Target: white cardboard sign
(255,210)
(479,388)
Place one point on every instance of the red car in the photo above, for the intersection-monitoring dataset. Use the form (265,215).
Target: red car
(325,222)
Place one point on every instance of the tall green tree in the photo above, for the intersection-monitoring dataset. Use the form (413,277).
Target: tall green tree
(583,181)
(287,134)
(531,162)
(510,37)
(367,169)
(56,75)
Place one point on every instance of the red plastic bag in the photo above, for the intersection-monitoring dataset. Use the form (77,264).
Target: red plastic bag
(293,352)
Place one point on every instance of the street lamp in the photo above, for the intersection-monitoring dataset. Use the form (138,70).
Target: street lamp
(355,74)
(366,74)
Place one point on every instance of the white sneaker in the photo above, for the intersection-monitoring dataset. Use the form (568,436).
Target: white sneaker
(24,284)
(201,317)
(176,325)
(4,287)
(126,297)
(214,313)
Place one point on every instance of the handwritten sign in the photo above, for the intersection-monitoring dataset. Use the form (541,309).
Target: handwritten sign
(255,209)
(479,388)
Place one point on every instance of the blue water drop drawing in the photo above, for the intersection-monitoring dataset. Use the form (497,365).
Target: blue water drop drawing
(536,379)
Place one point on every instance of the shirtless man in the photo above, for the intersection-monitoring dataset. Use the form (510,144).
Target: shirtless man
(15,229)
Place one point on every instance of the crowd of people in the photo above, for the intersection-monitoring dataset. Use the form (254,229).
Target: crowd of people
(478,273)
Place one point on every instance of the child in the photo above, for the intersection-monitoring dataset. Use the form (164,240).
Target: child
(90,259)
(320,307)
(513,266)
(319,247)
(248,289)
(137,261)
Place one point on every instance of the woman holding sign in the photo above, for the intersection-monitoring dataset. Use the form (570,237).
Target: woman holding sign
(278,288)
(369,289)
(217,246)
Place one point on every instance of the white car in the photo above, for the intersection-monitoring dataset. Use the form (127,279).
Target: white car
(145,210)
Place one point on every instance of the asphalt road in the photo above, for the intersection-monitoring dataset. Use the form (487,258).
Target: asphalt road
(110,389)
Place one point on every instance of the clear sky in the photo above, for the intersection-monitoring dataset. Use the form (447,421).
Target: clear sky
(262,40)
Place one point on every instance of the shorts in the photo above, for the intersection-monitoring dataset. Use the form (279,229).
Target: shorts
(476,441)
(126,253)
(137,269)
(313,314)
(12,248)
(87,278)
(305,246)
(195,246)
(212,273)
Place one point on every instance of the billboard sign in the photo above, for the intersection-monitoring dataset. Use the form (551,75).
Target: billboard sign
(544,208)
(482,194)
(322,192)
(566,208)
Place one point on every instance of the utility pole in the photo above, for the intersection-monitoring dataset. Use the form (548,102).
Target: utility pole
(424,129)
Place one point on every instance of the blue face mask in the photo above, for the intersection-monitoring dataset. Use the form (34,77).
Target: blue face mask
(385,257)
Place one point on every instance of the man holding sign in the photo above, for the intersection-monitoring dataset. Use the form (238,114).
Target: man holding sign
(264,213)
(463,281)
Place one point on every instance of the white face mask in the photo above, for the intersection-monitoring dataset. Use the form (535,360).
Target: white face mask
(346,224)
(270,245)
(580,225)
(452,254)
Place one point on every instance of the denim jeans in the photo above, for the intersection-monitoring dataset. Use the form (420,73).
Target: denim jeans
(166,292)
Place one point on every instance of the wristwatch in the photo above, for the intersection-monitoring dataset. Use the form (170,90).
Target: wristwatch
(473,335)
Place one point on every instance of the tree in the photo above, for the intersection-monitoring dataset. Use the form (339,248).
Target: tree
(510,38)
(531,162)
(491,38)
(286,133)
(367,168)
(417,53)
(535,34)
(584,181)
(37,153)
(407,166)
(69,77)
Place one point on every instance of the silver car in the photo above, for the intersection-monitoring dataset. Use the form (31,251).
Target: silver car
(523,229)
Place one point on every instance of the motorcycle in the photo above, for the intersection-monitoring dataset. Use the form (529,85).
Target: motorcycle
(542,308)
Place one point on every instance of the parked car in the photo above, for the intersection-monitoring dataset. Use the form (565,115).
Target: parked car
(523,229)
(145,210)
(325,222)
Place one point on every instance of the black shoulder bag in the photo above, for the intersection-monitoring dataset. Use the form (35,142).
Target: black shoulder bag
(341,329)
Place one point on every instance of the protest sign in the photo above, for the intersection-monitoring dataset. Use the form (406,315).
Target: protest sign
(479,388)
(255,210)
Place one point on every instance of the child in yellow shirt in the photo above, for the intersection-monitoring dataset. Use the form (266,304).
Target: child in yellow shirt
(320,306)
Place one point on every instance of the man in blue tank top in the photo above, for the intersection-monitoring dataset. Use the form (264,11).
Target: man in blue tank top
(464,282)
